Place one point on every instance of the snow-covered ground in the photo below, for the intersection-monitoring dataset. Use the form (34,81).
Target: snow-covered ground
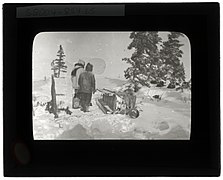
(169,118)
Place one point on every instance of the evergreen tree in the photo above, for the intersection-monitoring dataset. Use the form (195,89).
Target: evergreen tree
(170,55)
(58,65)
(145,61)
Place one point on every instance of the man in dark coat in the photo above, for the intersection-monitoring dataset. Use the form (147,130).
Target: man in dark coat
(86,83)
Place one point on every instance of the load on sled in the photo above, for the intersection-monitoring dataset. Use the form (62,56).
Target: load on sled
(112,102)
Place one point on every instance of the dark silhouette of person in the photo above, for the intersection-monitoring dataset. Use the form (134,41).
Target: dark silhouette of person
(86,83)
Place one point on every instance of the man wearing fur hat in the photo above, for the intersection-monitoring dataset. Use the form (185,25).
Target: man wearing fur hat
(78,69)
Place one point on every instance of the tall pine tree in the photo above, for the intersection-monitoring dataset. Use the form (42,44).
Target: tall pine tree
(58,65)
(170,54)
(145,61)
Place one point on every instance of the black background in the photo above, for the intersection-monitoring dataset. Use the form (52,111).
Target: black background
(200,156)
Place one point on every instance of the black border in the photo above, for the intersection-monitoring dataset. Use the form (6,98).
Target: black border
(199,156)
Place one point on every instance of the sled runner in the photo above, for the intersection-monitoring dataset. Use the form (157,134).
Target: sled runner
(112,102)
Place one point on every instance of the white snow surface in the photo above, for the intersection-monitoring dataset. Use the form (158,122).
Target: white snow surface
(172,110)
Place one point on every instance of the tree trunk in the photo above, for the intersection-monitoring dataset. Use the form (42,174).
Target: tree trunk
(53,95)
(59,73)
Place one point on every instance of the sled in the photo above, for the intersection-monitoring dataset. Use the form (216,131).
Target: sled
(112,102)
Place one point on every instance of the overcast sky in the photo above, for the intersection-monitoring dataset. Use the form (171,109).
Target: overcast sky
(108,46)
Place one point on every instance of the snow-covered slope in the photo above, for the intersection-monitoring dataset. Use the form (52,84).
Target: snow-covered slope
(167,118)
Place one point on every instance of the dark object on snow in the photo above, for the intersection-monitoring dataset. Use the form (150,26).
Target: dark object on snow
(133,113)
(66,110)
(157,97)
(153,82)
(40,103)
(112,102)
(160,84)
(50,109)
(171,86)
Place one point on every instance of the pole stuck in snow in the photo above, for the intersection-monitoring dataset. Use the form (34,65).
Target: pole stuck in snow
(53,95)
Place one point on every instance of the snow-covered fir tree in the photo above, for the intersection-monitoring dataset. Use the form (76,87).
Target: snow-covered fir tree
(145,60)
(170,54)
(58,65)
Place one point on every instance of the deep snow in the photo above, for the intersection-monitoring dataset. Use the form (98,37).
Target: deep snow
(169,118)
